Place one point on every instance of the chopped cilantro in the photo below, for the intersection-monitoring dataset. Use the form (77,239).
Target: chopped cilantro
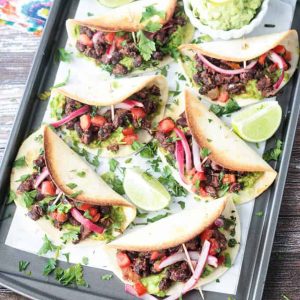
(145,46)
(229,108)
(47,246)
(85,260)
(89,14)
(67,256)
(71,275)
(136,146)
(29,197)
(87,215)
(49,267)
(259,213)
(113,165)
(20,162)
(11,197)
(81,174)
(164,70)
(182,204)
(72,185)
(23,178)
(204,152)
(157,218)
(128,160)
(23,264)
(154,163)
(150,11)
(71,235)
(274,153)
(111,179)
(62,55)
(106,277)
(149,150)
(227,261)
(232,243)
(74,195)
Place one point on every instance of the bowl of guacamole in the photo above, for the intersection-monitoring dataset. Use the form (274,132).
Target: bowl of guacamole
(226,19)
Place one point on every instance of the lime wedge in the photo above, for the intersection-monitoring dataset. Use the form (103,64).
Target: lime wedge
(219,1)
(114,3)
(258,122)
(145,191)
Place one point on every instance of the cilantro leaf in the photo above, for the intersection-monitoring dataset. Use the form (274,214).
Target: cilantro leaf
(145,46)
(81,174)
(274,153)
(20,162)
(113,165)
(106,277)
(85,260)
(23,264)
(29,197)
(23,178)
(11,197)
(150,11)
(72,185)
(71,235)
(152,26)
(149,150)
(204,152)
(114,181)
(47,246)
(71,275)
(229,108)
(182,204)
(62,55)
(49,267)
(157,218)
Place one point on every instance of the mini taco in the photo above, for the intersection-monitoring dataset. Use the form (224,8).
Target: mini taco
(63,194)
(133,38)
(152,260)
(246,70)
(206,157)
(108,118)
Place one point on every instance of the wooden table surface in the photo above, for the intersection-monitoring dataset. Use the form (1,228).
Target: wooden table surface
(16,55)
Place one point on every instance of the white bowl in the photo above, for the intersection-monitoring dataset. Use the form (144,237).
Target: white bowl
(226,34)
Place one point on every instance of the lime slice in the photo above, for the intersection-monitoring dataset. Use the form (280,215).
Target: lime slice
(114,3)
(145,191)
(258,122)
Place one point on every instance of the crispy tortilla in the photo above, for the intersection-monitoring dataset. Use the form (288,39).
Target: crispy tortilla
(243,50)
(111,93)
(175,230)
(127,18)
(61,160)
(227,149)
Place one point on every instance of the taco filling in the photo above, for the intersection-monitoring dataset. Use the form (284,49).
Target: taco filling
(122,52)
(44,199)
(155,272)
(109,126)
(207,178)
(221,80)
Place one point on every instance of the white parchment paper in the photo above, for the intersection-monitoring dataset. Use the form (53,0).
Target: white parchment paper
(24,234)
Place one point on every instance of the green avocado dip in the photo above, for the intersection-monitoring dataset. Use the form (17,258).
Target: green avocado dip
(225,14)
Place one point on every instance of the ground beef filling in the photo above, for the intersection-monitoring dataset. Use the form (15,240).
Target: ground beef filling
(221,87)
(215,180)
(96,126)
(99,215)
(144,264)
(109,48)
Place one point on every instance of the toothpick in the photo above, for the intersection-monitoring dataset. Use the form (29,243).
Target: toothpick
(112,112)
(191,267)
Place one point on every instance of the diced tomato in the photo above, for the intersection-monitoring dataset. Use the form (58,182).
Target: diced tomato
(109,37)
(140,288)
(221,260)
(198,176)
(83,206)
(214,247)
(262,59)
(93,211)
(280,49)
(138,113)
(232,65)
(229,178)
(119,40)
(166,125)
(85,40)
(224,96)
(85,122)
(129,139)
(130,275)
(61,217)
(98,121)
(123,260)
(287,56)
(155,255)
(128,131)
(206,235)
(96,218)
(48,188)
(203,192)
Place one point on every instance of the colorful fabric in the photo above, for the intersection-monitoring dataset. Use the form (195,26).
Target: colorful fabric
(26,15)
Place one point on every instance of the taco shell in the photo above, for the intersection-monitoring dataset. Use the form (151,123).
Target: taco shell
(227,149)
(242,50)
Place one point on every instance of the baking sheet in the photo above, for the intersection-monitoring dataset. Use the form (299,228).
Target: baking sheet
(18,238)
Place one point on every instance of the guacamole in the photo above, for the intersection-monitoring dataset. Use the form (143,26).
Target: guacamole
(226,14)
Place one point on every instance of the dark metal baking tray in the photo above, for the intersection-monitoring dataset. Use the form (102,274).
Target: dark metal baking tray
(29,117)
